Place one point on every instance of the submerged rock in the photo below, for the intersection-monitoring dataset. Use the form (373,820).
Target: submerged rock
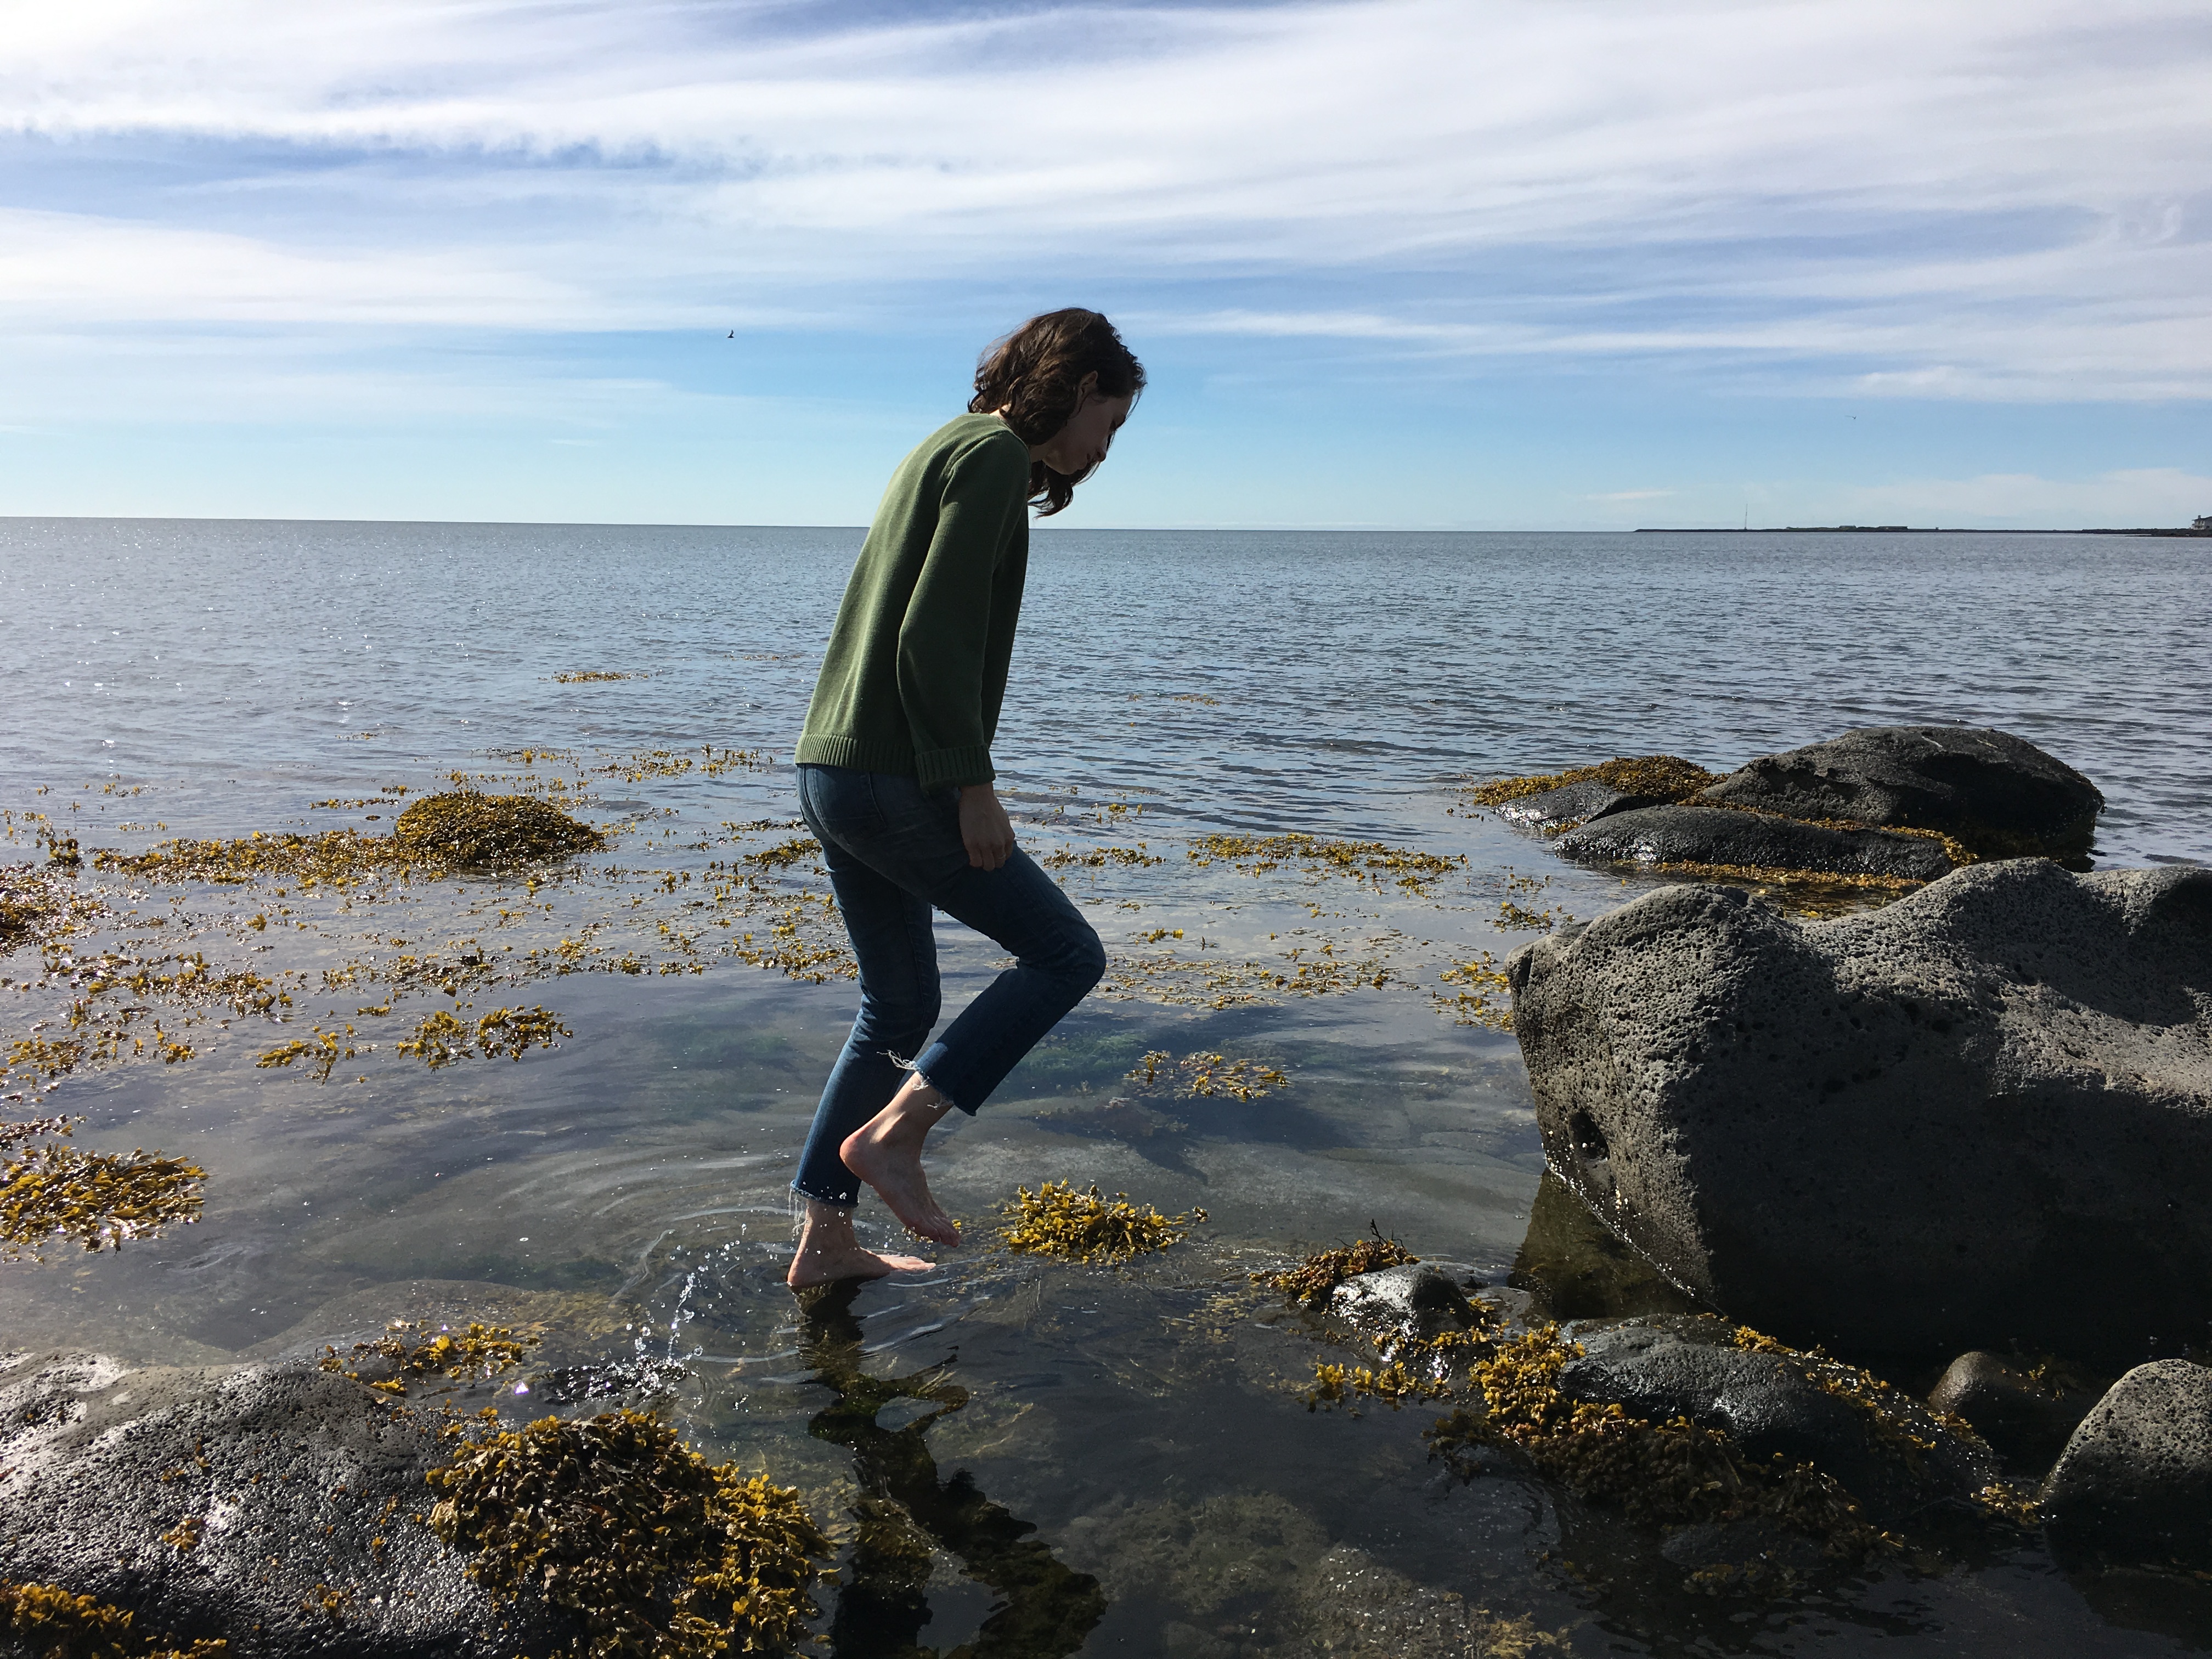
(1979,1115)
(280,1507)
(2135,1479)
(1416,1297)
(2025,1415)
(1717,837)
(1888,1449)
(1998,795)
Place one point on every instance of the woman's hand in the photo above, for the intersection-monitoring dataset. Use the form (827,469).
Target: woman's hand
(984,829)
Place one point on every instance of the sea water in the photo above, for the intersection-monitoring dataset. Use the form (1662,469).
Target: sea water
(623,1192)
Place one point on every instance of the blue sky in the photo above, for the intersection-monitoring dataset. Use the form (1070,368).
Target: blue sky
(1555,264)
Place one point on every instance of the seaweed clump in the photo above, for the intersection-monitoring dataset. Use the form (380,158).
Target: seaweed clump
(1314,1280)
(1672,1474)
(469,830)
(34,904)
(662,1555)
(476,1353)
(55,1194)
(1059,1221)
(49,1620)
(1663,777)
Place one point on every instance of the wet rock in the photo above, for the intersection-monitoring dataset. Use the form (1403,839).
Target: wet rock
(1716,836)
(2025,1417)
(1981,1116)
(1743,1545)
(1999,794)
(1885,1447)
(2135,1482)
(1574,803)
(1352,1605)
(1416,1297)
(276,1506)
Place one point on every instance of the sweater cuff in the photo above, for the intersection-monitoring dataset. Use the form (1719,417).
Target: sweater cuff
(935,768)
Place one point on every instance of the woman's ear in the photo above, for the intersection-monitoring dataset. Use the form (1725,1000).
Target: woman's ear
(1086,388)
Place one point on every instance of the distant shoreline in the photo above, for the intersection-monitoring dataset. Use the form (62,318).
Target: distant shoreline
(1889,529)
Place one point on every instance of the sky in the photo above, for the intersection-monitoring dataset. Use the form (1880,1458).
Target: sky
(1482,265)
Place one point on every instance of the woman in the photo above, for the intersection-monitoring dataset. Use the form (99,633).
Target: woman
(894,777)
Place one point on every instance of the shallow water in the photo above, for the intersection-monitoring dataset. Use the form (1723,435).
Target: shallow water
(625,1190)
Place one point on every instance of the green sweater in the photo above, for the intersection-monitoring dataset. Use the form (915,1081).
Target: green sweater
(917,667)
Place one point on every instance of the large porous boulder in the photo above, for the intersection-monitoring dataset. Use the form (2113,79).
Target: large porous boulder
(2135,1482)
(280,1507)
(1981,1116)
(1998,795)
(1718,836)
(1888,1449)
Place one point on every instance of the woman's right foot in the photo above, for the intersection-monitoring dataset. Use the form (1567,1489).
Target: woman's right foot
(885,1152)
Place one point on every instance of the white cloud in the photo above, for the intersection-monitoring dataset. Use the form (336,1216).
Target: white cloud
(1962,201)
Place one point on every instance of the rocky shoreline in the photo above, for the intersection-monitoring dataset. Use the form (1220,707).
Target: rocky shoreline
(1974,1125)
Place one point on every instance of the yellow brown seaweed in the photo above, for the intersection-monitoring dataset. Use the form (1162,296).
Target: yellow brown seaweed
(662,1555)
(55,1624)
(57,1195)
(1057,1220)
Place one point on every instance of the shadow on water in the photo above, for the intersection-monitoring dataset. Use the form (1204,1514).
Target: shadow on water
(1576,1269)
(1046,1610)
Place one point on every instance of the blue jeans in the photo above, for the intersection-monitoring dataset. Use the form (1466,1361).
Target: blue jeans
(893,854)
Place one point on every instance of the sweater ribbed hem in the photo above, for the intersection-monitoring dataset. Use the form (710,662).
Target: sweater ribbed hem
(855,756)
(934,769)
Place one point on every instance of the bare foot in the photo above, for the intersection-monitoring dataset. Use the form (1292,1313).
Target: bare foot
(827,1251)
(885,1152)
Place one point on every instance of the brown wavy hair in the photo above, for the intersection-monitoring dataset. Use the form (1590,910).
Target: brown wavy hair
(1031,378)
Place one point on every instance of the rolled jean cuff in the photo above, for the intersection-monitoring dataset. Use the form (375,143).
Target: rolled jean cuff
(846,1201)
(937,1067)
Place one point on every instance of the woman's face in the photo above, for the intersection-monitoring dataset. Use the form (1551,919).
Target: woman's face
(1082,442)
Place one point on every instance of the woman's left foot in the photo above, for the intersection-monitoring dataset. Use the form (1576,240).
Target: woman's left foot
(827,1265)
(829,1250)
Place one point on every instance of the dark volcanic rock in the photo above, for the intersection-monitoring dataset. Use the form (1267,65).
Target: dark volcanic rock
(2135,1479)
(1718,835)
(1573,802)
(278,1506)
(1981,1115)
(1999,794)
(2024,1418)
(1772,1404)
(1416,1296)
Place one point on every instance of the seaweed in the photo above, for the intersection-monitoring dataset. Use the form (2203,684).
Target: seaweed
(659,1552)
(476,1351)
(594,675)
(441,1038)
(468,830)
(1361,860)
(1312,1282)
(1478,1004)
(97,1200)
(1665,777)
(35,905)
(1057,1220)
(1201,1075)
(1669,1474)
(49,1620)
